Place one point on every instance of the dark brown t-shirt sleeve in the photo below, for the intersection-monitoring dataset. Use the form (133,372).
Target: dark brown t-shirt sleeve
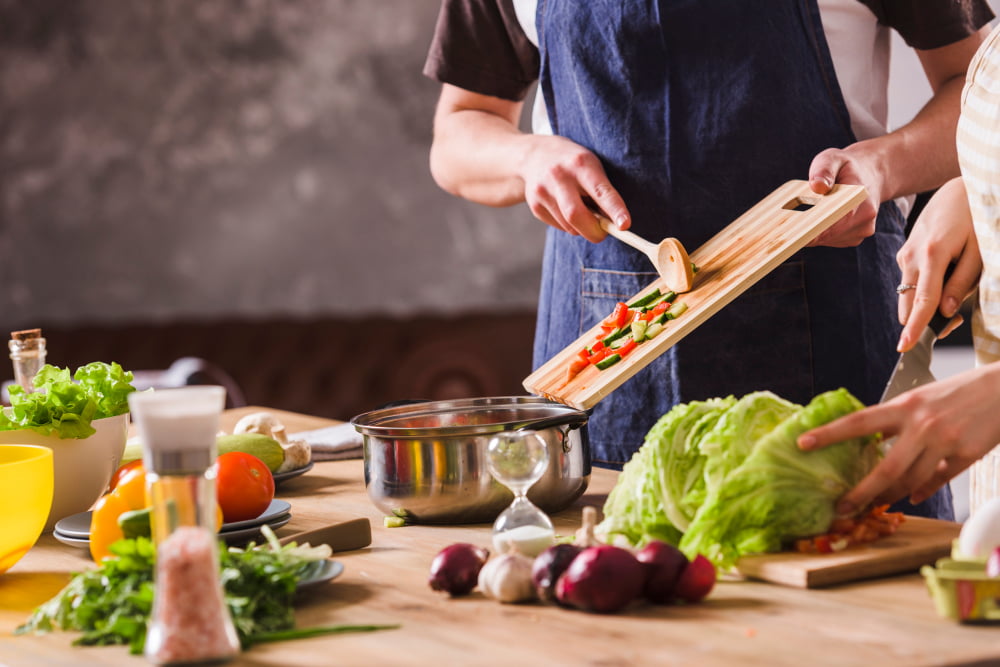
(931,24)
(479,45)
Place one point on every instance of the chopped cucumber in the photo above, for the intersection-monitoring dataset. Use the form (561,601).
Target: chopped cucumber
(618,343)
(616,334)
(644,300)
(639,330)
(669,297)
(676,311)
(608,362)
(653,329)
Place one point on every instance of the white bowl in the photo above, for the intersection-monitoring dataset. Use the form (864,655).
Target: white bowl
(83,467)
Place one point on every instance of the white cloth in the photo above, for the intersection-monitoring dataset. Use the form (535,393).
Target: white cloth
(333,443)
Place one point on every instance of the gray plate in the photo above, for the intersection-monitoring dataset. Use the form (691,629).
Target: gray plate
(77,526)
(280,477)
(320,571)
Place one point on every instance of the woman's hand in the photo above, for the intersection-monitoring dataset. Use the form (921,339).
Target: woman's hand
(940,429)
(941,236)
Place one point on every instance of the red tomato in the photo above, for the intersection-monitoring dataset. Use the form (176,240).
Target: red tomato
(244,486)
(122,471)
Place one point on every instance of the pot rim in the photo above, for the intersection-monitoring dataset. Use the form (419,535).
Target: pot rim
(379,423)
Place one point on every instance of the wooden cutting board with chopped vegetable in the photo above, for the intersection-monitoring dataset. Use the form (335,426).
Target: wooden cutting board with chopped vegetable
(917,542)
(728,263)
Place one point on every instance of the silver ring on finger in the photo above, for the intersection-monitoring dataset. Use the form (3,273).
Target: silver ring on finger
(904,287)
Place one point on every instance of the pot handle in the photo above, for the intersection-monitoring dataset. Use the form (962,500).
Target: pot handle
(573,422)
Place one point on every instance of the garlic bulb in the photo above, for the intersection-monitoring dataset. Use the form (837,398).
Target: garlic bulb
(507,578)
(585,535)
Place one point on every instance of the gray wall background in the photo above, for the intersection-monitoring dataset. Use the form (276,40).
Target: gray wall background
(203,159)
(191,159)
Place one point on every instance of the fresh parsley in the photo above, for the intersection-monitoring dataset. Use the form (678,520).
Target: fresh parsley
(111,604)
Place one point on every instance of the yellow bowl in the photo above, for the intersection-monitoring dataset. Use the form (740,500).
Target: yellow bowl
(83,467)
(26,486)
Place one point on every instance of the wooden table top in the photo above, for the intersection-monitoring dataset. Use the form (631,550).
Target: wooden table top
(883,622)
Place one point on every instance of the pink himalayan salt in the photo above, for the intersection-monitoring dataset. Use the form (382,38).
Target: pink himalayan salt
(191,621)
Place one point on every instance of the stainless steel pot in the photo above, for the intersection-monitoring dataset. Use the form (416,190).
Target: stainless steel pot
(426,462)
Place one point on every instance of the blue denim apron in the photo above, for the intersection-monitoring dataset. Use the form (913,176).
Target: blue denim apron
(697,110)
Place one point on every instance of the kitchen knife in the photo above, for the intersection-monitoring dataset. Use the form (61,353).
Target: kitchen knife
(344,536)
(914,366)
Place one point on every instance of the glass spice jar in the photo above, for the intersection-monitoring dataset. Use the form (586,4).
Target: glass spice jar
(190,622)
(27,352)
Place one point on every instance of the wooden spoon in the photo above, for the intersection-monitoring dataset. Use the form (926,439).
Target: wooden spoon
(668,256)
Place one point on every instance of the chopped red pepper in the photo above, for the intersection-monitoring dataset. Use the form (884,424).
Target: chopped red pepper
(822,543)
(598,355)
(620,316)
(575,368)
(659,309)
(627,347)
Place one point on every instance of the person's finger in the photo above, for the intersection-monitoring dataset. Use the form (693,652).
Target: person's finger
(945,471)
(875,419)
(953,324)
(578,215)
(963,280)
(905,290)
(607,198)
(925,301)
(543,206)
(890,472)
(823,171)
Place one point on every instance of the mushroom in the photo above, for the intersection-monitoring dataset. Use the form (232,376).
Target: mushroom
(297,452)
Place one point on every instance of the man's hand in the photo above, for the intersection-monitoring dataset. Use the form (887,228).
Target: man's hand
(559,176)
(854,166)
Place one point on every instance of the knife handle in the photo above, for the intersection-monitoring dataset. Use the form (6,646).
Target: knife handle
(939,322)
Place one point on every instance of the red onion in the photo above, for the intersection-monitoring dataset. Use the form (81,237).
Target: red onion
(602,579)
(663,564)
(549,566)
(455,569)
(696,581)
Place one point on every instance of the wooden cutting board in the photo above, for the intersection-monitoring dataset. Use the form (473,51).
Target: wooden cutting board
(729,263)
(917,542)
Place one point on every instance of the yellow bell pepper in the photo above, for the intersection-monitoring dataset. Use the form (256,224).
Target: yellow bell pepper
(129,494)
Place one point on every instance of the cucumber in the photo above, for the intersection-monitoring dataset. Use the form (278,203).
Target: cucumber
(639,330)
(135,523)
(668,296)
(676,311)
(608,361)
(653,329)
(133,451)
(647,299)
(265,448)
(616,334)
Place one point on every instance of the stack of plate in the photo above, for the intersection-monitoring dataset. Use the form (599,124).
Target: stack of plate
(74,530)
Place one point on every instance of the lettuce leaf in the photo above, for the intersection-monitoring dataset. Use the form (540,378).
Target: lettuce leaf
(654,495)
(779,492)
(64,405)
(732,439)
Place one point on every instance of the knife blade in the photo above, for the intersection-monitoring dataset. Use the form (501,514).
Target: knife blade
(914,366)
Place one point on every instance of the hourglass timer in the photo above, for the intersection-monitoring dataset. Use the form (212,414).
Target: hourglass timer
(518,459)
